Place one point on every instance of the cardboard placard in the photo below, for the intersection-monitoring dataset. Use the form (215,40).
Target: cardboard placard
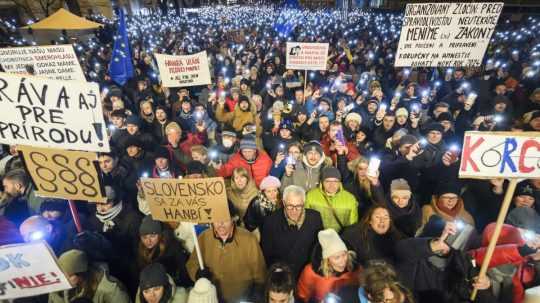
(181,71)
(187,200)
(500,155)
(29,270)
(70,175)
(306,56)
(446,34)
(57,62)
(51,113)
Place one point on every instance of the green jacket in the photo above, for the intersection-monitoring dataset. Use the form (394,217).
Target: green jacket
(343,202)
(109,290)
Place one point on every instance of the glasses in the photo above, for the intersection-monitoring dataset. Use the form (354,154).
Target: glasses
(295,207)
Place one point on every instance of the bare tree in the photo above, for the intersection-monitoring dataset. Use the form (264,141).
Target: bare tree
(25,7)
(46,6)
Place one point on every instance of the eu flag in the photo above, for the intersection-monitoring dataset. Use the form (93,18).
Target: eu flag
(121,65)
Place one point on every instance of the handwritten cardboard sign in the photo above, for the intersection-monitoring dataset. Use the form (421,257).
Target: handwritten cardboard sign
(187,200)
(180,71)
(446,34)
(29,270)
(500,155)
(51,113)
(306,56)
(57,62)
(63,174)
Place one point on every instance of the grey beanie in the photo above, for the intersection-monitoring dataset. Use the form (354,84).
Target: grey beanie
(149,226)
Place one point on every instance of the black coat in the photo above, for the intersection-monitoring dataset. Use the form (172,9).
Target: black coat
(375,247)
(283,243)
(255,214)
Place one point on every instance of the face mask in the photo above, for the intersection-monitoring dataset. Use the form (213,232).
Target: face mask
(227,143)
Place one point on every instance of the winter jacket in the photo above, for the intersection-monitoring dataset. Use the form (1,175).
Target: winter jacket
(343,203)
(258,209)
(374,247)
(433,209)
(187,141)
(282,242)
(313,286)
(304,175)
(327,144)
(408,219)
(258,170)
(109,290)
(178,294)
(236,265)
(236,118)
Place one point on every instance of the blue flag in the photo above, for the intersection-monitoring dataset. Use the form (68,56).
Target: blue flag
(121,65)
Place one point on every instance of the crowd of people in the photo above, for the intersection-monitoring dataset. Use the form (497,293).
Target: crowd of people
(313,218)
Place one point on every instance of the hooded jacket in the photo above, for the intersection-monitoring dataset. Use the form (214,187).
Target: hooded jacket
(109,290)
(305,175)
(343,202)
(258,170)
(178,294)
(237,118)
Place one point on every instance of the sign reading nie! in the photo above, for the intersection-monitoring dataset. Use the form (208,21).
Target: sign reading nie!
(500,154)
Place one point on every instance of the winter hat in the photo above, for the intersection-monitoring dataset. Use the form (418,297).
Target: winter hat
(331,243)
(433,227)
(434,126)
(445,116)
(228,131)
(135,120)
(133,141)
(399,185)
(313,146)
(532,295)
(447,187)
(161,152)
(501,99)
(524,217)
(330,172)
(149,226)
(119,113)
(407,139)
(268,182)
(195,167)
(153,275)
(248,142)
(51,204)
(402,111)
(203,292)
(73,262)
(353,117)
(243,98)
(524,189)
(286,124)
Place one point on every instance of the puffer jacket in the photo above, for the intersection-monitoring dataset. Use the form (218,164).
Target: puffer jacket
(258,170)
(313,286)
(109,290)
(305,175)
(343,202)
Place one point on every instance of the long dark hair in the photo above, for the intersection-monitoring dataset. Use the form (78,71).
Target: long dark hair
(279,280)
(365,226)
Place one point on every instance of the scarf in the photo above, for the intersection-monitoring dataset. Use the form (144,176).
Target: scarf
(107,218)
(241,198)
(266,204)
(450,212)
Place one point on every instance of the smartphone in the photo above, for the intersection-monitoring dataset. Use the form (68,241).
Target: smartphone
(349,107)
(373,166)
(340,137)
(454,152)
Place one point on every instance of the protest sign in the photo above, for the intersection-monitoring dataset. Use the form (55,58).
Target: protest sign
(187,200)
(180,71)
(57,62)
(51,113)
(446,34)
(57,173)
(306,56)
(29,270)
(500,155)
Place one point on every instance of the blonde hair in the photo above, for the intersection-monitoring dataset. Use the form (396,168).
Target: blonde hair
(199,149)
(327,270)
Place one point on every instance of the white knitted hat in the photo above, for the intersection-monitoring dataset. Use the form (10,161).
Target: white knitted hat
(532,295)
(203,292)
(331,243)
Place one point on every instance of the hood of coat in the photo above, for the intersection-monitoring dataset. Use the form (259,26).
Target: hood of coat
(138,297)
